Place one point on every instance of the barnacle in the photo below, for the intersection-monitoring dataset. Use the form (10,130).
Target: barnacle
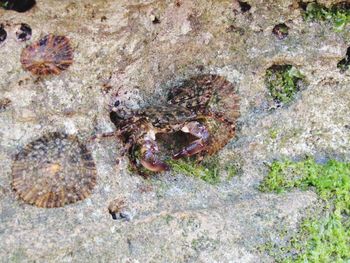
(50,55)
(54,170)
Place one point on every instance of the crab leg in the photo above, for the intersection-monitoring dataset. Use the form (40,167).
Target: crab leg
(104,135)
(149,159)
(200,131)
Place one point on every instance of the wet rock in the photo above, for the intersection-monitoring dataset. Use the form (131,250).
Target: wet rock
(175,218)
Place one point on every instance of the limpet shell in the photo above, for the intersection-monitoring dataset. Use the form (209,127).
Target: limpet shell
(54,170)
(50,55)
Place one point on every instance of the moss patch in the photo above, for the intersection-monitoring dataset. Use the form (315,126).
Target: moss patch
(232,171)
(4,4)
(338,14)
(208,171)
(283,82)
(273,133)
(320,240)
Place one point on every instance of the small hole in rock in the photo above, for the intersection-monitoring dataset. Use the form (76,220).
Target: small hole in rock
(344,64)
(245,7)
(155,19)
(114,216)
(280,31)
(24,32)
(283,82)
(115,208)
(303,5)
(17,5)
(3,34)
(4,104)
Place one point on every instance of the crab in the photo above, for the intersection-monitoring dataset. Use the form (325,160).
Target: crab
(205,106)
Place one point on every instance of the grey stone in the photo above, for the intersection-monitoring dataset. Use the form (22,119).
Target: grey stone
(184,220)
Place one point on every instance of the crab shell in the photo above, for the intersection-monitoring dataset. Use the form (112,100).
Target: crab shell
(216,102)
(208,99)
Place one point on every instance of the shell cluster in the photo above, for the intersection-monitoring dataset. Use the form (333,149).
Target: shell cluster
(50,55)
(54,170)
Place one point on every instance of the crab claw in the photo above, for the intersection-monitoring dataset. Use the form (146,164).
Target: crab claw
(149,159)
(195,147)
(200,131)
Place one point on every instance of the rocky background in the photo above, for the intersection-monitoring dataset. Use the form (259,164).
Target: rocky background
(145,47)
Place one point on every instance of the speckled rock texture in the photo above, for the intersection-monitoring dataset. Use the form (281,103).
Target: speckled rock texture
(144,47)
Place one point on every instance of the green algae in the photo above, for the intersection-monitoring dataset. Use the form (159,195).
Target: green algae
(338,14)
(207,171)
(325,239)
(282,82)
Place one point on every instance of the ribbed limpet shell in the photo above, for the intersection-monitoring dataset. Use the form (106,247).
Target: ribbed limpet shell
(50,55)
(54,170)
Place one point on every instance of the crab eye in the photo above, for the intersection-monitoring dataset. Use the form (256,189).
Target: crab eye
(117,103)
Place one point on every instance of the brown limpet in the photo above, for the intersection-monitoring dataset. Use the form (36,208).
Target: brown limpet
(50,55)
(54,170)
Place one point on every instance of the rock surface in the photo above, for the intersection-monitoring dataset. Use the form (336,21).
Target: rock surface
(144,47)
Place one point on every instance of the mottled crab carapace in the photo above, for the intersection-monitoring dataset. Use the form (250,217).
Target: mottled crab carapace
(205,106)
